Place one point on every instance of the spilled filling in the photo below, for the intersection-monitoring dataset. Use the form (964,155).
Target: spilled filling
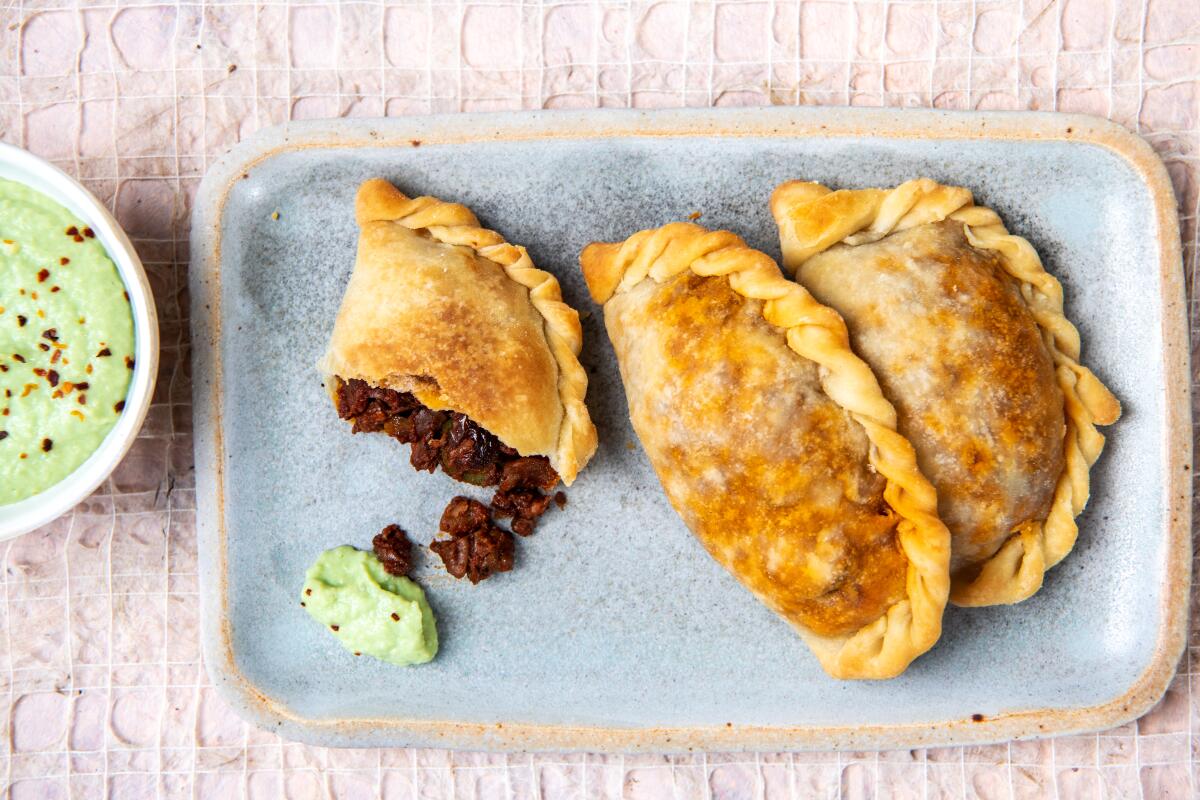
(465,450)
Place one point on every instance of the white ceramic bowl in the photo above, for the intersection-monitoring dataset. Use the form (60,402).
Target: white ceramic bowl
(17,518)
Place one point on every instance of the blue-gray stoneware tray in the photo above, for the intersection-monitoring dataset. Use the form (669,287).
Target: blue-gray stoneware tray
(616,631)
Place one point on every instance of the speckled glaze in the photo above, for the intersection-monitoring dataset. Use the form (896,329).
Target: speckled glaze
(615,631)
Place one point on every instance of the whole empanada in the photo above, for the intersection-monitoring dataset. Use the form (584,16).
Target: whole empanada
(773,442)
(966,333)
(446,312)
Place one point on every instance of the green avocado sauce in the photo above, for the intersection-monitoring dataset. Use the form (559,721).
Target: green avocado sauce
(66,342)
(369,611)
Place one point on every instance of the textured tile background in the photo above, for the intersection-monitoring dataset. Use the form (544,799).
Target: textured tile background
(101,686)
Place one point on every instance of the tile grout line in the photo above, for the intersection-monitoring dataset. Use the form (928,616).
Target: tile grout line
(112,531)
(70,641)
(164,714)
(771,10)
(193,779)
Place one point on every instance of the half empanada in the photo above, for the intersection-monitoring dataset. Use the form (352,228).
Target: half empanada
(450,339)
(966,333)
(773,442)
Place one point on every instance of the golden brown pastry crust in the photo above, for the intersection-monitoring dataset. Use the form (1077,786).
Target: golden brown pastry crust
(451,312)
(814,220)
(775,444)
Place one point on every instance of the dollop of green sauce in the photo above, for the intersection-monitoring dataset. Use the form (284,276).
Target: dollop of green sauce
(66,342)
(369,611)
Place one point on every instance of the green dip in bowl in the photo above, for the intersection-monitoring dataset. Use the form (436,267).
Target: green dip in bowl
(66,342)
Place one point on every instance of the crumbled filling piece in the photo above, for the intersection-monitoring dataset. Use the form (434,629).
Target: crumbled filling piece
(476,548)
(394,550)
(523,505)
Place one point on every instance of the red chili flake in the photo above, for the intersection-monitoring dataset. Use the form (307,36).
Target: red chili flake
(55,356)
(43,347)
(51,334)
(308,592)
(64,261)
(395,617)
(357,653)
(119,406)
(47,445)
(88,232)
(52,377)
(129,362)
(19,357)
(82,399)
(4,412)
(41,373)
(3,435)
(72,231)
(42,275)
(78,238)
(21,320)
(560,499)
(88,369)
(23,455)
(104,353)
(54,289)
(126,296)
(29,387)
(334,627)
(82,386)
(3,368)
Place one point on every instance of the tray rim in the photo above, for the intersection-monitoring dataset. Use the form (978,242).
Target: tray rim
(269,713)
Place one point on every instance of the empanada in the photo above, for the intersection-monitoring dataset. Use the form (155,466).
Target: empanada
(773,442)
(966,333)
(450,339)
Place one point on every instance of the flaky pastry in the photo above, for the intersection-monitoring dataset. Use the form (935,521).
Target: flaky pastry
(773,442)
(966,332)
(452,314)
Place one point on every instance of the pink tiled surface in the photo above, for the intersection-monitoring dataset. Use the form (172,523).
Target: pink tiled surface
(101,687)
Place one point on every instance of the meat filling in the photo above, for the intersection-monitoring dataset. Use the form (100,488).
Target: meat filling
(394,550)
(464,450)
(476,548)
(523,505)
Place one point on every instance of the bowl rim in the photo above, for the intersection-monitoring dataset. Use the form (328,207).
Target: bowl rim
(21,166)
